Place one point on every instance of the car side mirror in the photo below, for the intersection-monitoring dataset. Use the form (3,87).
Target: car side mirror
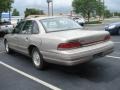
(13,31)
(10,31)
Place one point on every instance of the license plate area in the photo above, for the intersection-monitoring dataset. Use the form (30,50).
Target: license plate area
(98,55)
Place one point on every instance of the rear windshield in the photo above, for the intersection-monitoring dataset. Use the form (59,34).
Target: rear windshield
(59,24)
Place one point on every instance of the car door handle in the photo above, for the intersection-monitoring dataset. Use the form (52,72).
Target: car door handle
(27,38)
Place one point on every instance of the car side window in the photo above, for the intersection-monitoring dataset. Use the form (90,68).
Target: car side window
(18,27)
(27,28)
(35,29)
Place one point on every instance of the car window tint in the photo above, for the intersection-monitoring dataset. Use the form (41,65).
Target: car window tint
(18,27)
(27,28)
(35,28)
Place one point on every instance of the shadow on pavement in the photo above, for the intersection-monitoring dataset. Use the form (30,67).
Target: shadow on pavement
(99,70)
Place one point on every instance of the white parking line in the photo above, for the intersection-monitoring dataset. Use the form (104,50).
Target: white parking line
(30,77)
(113,57)
(117,42)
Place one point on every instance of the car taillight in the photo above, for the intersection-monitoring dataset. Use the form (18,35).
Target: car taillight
(69,45)
(107,38)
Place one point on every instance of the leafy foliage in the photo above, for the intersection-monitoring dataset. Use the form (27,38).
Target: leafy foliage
(107,14)
(88,7)
(100,8)
(116,13)
(5,5)
(33,11)
(15,12)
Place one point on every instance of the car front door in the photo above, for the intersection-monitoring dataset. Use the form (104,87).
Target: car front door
(13,38)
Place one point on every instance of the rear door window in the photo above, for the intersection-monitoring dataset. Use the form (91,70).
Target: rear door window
(27,28)
(35,29)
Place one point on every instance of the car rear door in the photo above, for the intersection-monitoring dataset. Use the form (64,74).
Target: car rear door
(24,36)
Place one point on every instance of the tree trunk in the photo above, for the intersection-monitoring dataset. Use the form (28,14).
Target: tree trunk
(99,18)
(88,16)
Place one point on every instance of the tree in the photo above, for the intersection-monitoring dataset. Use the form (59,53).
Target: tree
(5,5)
(108,14)
(33,11)
(100,9)
(116,13)
(86,7)
(15,12)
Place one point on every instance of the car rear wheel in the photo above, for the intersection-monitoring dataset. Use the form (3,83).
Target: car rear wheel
(37,59)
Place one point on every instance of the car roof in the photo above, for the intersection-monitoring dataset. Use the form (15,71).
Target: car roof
(43,17)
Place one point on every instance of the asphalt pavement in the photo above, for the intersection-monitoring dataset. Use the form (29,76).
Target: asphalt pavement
(18,73)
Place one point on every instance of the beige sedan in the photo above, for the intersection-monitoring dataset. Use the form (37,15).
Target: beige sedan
(57,40)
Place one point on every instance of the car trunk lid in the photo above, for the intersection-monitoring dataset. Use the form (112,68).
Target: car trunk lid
(85,37)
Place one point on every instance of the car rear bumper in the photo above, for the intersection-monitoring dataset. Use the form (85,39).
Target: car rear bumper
(78,56)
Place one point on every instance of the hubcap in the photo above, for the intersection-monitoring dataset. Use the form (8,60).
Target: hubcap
(7,47)
(36,58)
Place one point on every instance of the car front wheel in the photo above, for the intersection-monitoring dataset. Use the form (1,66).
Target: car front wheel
(37,59)
(7,49)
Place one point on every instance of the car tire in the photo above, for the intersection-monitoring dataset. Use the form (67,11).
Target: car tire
(37,59)
(7,49)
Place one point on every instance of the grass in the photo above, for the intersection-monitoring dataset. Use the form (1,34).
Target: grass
(94,22)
